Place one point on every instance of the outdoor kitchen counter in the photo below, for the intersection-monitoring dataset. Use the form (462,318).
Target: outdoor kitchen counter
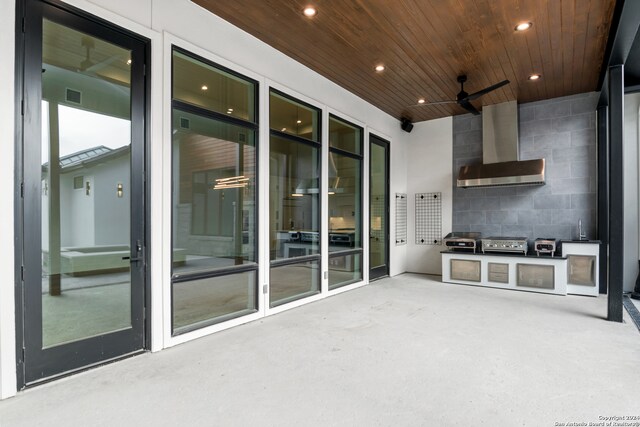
(544,274)
(575,272)
(581,241)
(503,254)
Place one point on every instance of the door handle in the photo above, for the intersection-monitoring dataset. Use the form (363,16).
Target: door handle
(138,257)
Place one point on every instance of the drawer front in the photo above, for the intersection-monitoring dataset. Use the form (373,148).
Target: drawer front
(498,272)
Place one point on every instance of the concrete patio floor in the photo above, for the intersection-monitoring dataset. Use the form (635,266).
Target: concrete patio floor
(405,351)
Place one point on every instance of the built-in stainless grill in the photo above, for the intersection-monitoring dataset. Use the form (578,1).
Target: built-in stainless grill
(545,246)
(309,236)
(342,237)
(465,241)
(505,244)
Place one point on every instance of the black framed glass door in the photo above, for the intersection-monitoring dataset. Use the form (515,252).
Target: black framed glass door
(83,209)
(378,207)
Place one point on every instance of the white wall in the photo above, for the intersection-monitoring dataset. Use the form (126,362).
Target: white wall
(429,166)
(630,167)
(7,313)
(77,212)
(111,222)
(398,174)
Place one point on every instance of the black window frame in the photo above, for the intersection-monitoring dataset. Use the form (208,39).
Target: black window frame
(309,142)
(177,105)
(321,227)
(360,157)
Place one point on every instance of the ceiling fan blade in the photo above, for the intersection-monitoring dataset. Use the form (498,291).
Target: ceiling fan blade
(470,108)
(433,103)
(94,68)
(479,93)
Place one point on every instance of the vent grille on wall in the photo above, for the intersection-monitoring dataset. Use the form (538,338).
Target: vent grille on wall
(74,96)
(401,219)
(428,218)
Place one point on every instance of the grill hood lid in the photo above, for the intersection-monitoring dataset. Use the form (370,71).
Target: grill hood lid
(500,153)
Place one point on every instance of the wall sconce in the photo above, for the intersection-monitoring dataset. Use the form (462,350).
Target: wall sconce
(119,190)
(87,187)
(376,223)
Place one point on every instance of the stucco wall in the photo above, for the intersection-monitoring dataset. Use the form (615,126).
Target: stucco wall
(429,170)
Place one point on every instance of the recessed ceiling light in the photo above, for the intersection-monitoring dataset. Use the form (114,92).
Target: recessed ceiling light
(283,130)
(524,26)
(535,77)
(204,87)
(299,121)
(379,68)
(421,101)
(310,11)
(230,110)
(128,62)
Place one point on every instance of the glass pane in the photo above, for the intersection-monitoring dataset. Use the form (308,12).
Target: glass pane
(345,228)
(344,270)
(378,217)
(345,136)
(214,197)
(86,191)
(294,202)
(197,303)
(197,83)
(292,282)
(293,117)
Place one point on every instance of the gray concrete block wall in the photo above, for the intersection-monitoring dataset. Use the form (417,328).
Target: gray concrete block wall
(561,130)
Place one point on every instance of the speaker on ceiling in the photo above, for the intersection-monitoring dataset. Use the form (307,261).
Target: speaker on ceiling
(406,124)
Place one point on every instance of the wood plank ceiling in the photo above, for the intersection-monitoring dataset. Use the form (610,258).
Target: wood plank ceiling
(426,44)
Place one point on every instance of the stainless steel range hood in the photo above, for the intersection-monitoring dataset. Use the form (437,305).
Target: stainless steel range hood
(524,172)
(500,153)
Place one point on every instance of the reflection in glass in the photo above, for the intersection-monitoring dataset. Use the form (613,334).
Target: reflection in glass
(203,85)
(344,269)
(293,199)
(198,303)
(345,136)
(214,198)
(344,202)
(86,191)
(214,194)
(294,281)
(378,206)
(288,116)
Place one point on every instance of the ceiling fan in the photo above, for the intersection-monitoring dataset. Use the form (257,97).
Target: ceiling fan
(464,99)
(88,66)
